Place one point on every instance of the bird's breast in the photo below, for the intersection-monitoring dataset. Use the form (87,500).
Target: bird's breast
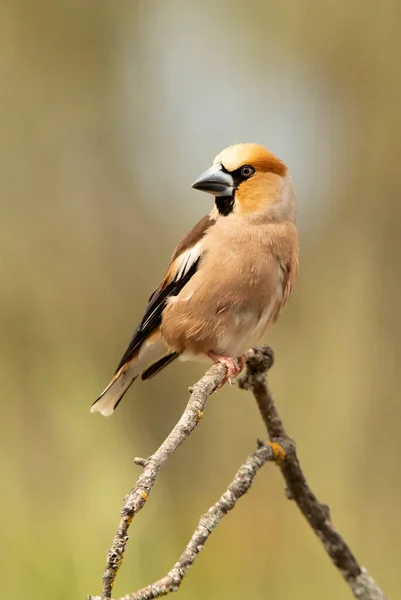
(233,297)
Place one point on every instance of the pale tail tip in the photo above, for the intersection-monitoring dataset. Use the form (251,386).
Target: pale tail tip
(106,411)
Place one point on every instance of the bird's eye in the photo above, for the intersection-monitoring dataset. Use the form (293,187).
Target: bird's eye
(247,171)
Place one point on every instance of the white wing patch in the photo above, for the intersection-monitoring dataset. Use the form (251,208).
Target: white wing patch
(182,265)
(185,261)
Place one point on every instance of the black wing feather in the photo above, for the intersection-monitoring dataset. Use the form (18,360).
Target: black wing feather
(153,313)
(159,365)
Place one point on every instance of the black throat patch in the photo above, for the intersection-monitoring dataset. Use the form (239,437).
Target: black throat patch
(225,204)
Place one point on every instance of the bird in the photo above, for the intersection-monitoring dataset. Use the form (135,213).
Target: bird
(228,279)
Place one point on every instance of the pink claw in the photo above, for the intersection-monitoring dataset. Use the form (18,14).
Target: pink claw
(233,366)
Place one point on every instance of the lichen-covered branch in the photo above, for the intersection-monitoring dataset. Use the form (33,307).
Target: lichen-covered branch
(281,448)
(363,586)
(137,497)
(207,523)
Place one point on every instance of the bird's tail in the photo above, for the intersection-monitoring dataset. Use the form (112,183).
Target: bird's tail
(152,356)
(114,392)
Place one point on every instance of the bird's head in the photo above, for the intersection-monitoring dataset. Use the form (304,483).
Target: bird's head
(248,179)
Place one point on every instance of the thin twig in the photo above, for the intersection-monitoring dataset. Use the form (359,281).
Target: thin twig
(280,448)
(137,497)
(363,586)
(207,523)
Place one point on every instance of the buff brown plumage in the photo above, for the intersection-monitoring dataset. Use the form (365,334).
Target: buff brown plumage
(228,279)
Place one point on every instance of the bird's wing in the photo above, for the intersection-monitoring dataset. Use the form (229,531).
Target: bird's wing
(183,265)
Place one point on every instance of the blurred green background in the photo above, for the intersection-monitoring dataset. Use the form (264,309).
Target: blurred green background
(108,111)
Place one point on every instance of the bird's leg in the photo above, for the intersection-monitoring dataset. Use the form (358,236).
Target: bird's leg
(233,368)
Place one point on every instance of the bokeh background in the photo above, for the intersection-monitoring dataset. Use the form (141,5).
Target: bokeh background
(108,111)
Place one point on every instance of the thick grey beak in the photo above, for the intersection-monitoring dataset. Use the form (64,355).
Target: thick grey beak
(215,181)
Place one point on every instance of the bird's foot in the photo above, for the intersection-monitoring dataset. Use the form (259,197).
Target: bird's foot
(233,366)
(242,360)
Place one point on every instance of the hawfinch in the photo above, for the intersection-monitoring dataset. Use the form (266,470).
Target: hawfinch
(228,279)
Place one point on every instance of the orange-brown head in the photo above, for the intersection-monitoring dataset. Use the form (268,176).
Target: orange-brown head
(248,179)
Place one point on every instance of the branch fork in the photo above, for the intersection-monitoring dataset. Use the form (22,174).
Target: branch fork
(280,449)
